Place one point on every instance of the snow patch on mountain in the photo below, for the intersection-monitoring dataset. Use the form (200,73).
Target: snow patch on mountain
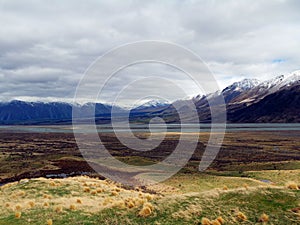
(242,85)
(291,79)
(154,103)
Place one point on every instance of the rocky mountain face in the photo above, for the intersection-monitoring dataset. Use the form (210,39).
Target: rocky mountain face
(282,106)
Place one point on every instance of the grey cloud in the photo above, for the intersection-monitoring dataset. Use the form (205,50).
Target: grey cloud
(45,48)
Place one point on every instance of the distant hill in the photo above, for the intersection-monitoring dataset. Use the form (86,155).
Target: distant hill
(20,112)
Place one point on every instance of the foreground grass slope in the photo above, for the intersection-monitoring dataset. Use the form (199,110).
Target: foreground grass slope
(184,199)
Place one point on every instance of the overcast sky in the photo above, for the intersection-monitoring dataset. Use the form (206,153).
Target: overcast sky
(46,46)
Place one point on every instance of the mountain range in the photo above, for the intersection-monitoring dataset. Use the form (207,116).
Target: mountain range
(247,101)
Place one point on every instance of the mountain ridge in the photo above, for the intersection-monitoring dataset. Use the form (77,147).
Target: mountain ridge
(248,100)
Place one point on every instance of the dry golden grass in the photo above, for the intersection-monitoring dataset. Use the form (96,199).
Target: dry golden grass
(47,196)
(18,215)
(70,194)
(292,185)
(31,204)
(119,204)
(86,189)
(148,197)
(264,218)
(205,221)
(129,203)
(221,220)
(191,210)
(241,216)
(93,192)
(114,193)
(18,207)
(72,207)
(52,183)
(49,222)
(20,193)
(99,190)
(225,188)
(146,210)
(58,209)
(215,222)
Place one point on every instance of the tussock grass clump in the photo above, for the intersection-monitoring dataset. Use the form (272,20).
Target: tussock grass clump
(263,218)
(49,222)
(20,193)
(7,205)
(205,221)
(225,188)
(46,204)
(99,190)
(18,215)
(93,192)
(148,204)
(139,201)
(292,185)
(146,210)
(149,197)
(221,220)
(18,207)
(86,189)
(215,222)
(79,201)
(117,189)
(114,193)
(58,209)
(129,203)
(72,207)
(119,204)
(241,216)
(47,196)
(31,204)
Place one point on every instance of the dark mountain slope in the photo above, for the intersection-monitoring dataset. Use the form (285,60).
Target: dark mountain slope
(280,107)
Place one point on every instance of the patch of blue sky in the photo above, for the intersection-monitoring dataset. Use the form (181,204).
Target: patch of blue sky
(278,60)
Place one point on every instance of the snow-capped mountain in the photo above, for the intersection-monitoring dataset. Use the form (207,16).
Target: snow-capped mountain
(249,100)
(154,103)
(242,85)
(272,82)
(265,88)
(291,79)
(237,88)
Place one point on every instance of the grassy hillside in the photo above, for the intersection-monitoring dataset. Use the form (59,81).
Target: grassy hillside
(183,199)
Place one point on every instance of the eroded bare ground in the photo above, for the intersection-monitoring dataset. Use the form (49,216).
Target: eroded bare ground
(25,155)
